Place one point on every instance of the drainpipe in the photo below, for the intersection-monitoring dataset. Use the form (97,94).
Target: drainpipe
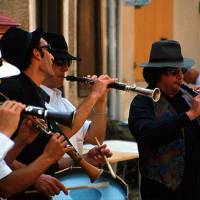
(119,58)
(111,56)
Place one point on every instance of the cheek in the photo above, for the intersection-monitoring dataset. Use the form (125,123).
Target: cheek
(56,70)
(167,81)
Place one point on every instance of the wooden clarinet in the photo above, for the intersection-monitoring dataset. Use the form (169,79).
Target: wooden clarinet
(92,171)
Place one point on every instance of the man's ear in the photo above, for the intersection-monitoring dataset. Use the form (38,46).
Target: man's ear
(37,54)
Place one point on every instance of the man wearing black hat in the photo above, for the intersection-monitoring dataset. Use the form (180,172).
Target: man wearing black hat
(10,114)
(167,131)
(32,55)
(84,131)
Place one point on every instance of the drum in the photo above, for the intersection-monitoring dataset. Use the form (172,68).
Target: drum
(116,190)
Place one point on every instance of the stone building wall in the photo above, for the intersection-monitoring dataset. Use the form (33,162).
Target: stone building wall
(16,9)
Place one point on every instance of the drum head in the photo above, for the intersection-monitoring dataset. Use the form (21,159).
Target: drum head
(117,189)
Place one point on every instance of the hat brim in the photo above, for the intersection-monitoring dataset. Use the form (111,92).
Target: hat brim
(64,55)
(7,70)
(186,63)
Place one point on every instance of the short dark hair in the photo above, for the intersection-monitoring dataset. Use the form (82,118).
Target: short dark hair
(29,56)
(152,75)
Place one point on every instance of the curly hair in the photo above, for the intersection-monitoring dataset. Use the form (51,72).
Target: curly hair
(152,75)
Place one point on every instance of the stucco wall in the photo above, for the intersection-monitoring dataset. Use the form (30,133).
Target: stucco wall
(16,9)
(128,44)
(187,27)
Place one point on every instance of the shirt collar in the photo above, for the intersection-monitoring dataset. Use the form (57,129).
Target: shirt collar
(50,91)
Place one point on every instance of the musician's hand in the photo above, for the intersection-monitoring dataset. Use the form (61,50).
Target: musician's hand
(100,86)
(94,155)
(194,111)
(27,132)
(49,185)
(197,88)
(10,114)
(56,147)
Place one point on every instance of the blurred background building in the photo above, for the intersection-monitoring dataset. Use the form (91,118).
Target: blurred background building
(111,36)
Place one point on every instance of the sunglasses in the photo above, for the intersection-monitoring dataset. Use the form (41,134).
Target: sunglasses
(175,71)
(61,62)
(47,47)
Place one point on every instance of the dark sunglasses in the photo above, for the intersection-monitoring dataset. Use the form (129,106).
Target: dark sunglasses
(61,62)
(47,47)
(175,71)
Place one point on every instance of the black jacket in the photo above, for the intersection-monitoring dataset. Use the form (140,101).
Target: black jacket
(22,89)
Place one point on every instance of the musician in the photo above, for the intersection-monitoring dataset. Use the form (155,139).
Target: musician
(192,76)
(10,114)
(32,55)
(167,131)
(94,104)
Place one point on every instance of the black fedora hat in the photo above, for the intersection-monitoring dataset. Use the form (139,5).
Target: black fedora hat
(167,53)
(16,44)
(59,46)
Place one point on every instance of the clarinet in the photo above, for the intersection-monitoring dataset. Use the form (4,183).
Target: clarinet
(154,94)
(194,93)
(92,171)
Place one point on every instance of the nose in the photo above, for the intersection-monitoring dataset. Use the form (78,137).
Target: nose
(51,57)
(180,75)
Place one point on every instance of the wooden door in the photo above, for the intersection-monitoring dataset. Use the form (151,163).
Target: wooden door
(152,22)
(89,41)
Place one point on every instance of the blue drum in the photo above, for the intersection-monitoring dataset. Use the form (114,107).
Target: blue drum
(116,190)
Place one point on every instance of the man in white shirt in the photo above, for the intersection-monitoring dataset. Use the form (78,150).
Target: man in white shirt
(8,123)
(94,104)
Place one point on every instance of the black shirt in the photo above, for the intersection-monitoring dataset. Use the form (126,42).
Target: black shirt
(152,132)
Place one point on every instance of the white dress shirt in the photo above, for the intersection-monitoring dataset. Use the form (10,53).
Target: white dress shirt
(59,104)
(5,145)
(198,80)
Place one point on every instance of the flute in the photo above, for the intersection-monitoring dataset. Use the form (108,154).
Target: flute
(154,94)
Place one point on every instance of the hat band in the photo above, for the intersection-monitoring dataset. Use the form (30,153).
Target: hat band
(158,60)
(60,50)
